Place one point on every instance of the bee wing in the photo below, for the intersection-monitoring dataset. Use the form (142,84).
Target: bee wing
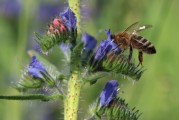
(144,27)
(135,28)
(132,27)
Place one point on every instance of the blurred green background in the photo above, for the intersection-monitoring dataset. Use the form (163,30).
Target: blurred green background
(156,95)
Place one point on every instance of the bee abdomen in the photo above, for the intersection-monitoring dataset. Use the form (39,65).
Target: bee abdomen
(142,44)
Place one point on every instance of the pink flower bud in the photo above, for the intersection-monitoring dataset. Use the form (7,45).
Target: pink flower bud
(51,28)
(56,31)
(62,28)
(56,27)
(56,22)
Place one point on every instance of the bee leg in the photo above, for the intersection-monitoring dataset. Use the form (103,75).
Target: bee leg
(130,54)
(140,56)
(118,46)
(115,47)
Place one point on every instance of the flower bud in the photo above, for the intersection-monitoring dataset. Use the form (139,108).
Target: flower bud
(109,93)
(69,19)
(35,68)
(56,27)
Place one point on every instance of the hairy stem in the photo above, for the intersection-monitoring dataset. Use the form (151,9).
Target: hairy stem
(32,97)
(72,99)
(75,7)
(74,85)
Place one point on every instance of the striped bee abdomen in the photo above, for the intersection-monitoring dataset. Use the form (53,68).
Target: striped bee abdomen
(142,44)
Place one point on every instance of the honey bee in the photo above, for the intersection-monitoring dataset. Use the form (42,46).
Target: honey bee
(129,39)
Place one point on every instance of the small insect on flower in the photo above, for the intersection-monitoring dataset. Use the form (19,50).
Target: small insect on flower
(109,93)
(36,68)
(106,46)
(129,40)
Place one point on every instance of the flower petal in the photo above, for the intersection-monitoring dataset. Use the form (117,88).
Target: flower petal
(106,46)
(109,93)
(89,42)
(103,48)
(115,47)
(35,67)
(69,19)
(34,72)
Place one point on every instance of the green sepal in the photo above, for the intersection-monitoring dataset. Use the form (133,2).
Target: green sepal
(118,110)
(26,84)
(120,65)
(117,65)
(47,78)
(47,42)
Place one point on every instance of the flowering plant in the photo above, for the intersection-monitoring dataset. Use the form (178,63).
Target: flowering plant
(87,62)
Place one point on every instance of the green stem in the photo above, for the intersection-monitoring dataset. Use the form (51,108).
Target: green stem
(32,97)
(75,7)
(74,85)
(72,99)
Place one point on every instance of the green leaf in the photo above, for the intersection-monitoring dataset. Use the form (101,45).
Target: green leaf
(93,77)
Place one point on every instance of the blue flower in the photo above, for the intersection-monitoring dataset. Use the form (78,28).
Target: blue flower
(106,46)
(69,19)
(35,68)
(103,48)
(115,47)
(89,42)
(109,93)
(11,8)
(47,11)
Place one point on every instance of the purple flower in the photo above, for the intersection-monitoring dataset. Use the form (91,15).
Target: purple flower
(103,48)
(109,93)
(69,19)
(106,46)
(11,8)
(48,11)
(89,42)
(36,68)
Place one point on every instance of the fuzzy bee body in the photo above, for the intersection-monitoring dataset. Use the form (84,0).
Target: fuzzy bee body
(142,44)
(130,40)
